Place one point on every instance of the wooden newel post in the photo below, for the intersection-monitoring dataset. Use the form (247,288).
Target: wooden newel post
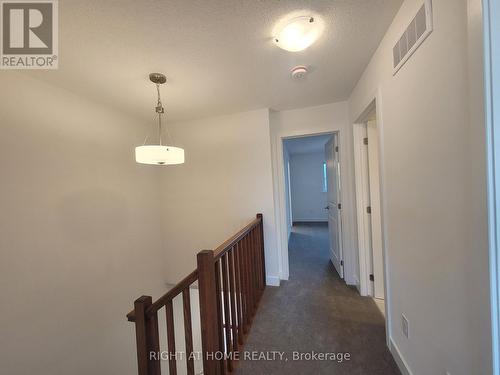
(147,338)
(261,228)
(208,312)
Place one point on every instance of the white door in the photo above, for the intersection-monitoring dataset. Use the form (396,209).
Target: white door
(334,204)
(373,167)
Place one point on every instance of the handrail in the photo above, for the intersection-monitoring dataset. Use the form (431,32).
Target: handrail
(228,244)
(193,276)
(171,294)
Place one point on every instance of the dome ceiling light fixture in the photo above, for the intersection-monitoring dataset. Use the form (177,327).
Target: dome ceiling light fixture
(158,154)
(298,33)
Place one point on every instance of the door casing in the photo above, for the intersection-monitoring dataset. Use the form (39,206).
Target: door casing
(332,157)
(375,208)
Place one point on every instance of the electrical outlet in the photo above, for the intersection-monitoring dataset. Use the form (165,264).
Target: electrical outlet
(405,326)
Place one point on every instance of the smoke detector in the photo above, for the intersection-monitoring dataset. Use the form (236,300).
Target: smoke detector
(299,72)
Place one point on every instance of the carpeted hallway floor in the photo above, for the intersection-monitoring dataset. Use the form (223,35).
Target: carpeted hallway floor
(316,311)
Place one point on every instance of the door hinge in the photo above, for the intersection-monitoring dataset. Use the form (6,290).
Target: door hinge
(336,148)
(372,278)
(339,206)
(368,210)
(365,141)
(342,263)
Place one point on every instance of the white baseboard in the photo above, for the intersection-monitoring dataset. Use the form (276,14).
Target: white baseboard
(272,280)
(400,361)
(323,220)
(357,283)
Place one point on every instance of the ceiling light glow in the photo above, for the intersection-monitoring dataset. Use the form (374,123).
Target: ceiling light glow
(298,33)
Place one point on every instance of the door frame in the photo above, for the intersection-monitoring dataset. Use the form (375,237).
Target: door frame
(375,216)
(367,249)
(491,35)
(281,210)
(374,103)
(364,226)
(336,154)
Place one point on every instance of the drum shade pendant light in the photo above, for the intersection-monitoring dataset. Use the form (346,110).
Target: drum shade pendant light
(159,154)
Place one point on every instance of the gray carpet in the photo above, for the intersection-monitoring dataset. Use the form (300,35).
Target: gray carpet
(316,311)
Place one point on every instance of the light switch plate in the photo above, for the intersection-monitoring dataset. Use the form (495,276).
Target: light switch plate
(405,326)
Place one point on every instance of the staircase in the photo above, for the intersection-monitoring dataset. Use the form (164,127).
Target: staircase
(231,280)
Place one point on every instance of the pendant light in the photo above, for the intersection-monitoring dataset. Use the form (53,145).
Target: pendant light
(159,154)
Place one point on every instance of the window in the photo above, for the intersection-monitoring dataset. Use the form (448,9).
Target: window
(325,182)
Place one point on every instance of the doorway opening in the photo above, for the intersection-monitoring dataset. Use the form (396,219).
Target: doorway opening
(368,208)
(313,194)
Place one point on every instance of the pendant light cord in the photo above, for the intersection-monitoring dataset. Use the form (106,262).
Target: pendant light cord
(159,127)
(160,111)
(158,91)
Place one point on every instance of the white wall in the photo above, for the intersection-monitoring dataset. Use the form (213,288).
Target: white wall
(478,235)
(80,232)
(316,120)
(433,192)
(224,183)
(308,198)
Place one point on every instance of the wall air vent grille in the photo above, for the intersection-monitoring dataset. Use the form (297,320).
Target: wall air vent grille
(415,34)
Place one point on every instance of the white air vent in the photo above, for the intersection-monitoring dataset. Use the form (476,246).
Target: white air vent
(414,35)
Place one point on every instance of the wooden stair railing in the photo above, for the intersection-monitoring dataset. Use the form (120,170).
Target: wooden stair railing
(231,280)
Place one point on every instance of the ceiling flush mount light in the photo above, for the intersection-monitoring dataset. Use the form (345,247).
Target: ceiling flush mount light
(158,154)
(298,33)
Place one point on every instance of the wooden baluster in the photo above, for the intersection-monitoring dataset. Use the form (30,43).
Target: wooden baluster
(188,330)
(237,277)
(261,229)
(262,258)
(241,264)
(259,262)
(233,296)
(257,265)
(250,273)
(228,318)
(248,299)
(172,361)
(237,288)
(220,313)
(252,268)
(208,312)
(147,338)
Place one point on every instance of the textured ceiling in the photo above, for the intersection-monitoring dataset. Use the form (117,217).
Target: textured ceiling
(218,55)
(306,145)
